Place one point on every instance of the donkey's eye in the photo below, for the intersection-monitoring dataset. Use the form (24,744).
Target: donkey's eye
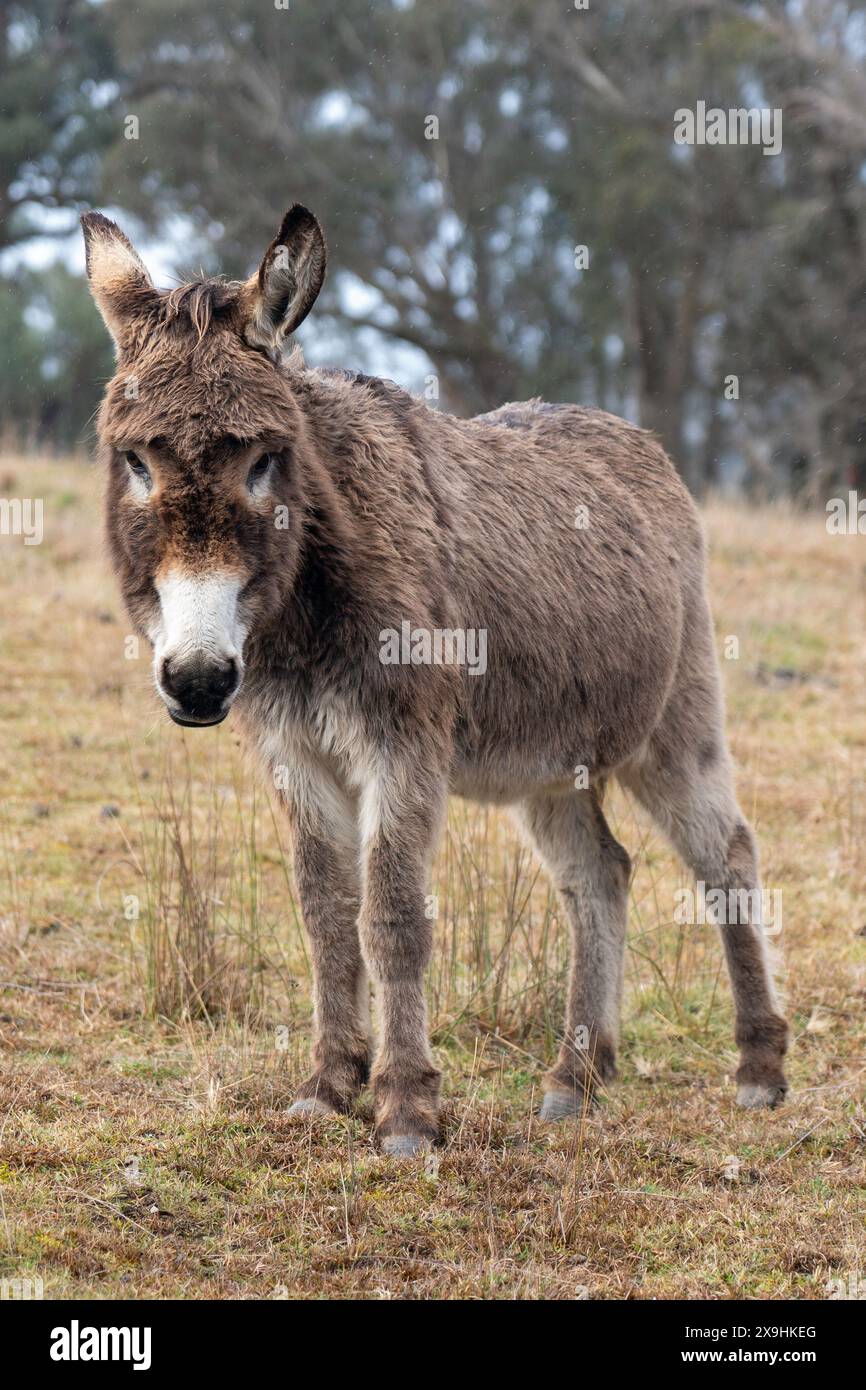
(136,466)
(259,470)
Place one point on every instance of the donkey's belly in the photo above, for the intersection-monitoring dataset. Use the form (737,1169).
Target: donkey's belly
(518,734)
(505,783)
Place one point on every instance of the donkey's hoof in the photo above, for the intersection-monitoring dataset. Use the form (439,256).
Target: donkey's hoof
(758,1095)
(405,1145)
(562,1105)
(309,1107)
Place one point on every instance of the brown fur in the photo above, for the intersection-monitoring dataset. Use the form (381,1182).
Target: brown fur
(599,647)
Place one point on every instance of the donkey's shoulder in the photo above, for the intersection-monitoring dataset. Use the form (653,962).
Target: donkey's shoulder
(359,386)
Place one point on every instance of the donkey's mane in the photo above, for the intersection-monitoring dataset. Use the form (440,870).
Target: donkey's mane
(199,301)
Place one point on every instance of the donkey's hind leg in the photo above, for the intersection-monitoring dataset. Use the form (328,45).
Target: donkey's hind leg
(686,783)
(591,871)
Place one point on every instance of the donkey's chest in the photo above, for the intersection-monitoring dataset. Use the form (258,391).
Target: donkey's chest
(304,739)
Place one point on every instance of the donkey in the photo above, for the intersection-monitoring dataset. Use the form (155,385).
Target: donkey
(272,527)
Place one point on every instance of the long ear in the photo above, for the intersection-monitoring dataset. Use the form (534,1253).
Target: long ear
(284,290)
(119,282)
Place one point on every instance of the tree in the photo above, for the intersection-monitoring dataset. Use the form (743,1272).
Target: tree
(467,161)
(501,190)
(56,358)
(56,89)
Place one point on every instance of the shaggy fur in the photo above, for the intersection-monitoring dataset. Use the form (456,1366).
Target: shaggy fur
(600,649)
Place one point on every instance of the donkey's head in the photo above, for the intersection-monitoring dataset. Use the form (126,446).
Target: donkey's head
(203,441)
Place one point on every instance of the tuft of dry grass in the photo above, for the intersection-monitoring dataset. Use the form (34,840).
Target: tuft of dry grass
(154,989)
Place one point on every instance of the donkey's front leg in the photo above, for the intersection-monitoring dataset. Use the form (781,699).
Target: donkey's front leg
(401,816)
(327,876)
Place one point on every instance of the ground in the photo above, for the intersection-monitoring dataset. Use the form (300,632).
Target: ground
(154,999)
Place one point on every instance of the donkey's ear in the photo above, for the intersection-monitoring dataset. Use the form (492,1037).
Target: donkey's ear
(119,282)
(284,290)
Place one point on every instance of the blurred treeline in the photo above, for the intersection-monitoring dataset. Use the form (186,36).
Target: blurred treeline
(199,123)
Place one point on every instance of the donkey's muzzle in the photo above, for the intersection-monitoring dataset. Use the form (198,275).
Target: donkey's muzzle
(200,690)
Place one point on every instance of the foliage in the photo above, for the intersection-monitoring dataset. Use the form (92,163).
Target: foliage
(56,358)
(553,130)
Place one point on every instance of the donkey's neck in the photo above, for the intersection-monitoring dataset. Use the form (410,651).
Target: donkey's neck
(372,544)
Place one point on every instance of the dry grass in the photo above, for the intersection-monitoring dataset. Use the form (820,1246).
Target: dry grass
(154,1000)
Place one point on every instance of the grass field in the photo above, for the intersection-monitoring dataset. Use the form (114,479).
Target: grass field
(154,988)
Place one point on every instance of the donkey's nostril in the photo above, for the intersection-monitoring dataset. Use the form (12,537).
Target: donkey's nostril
(166,677)
(200,686)
(224,681)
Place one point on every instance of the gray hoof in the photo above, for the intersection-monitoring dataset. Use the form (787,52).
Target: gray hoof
(561,1105)
(405,1145)
(752,1095)
(309,1107)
